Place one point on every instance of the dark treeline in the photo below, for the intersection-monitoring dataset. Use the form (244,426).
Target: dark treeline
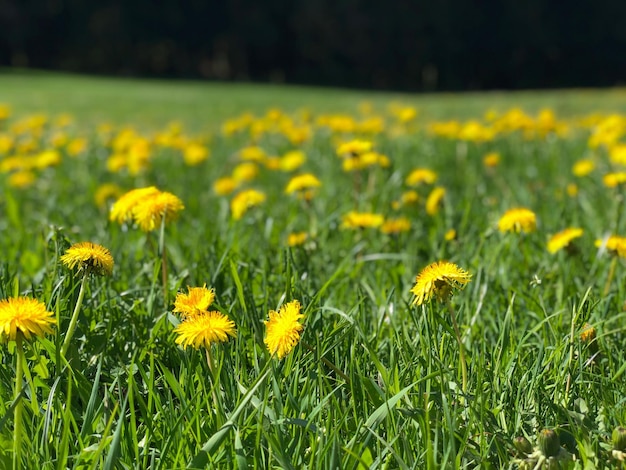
(408,45)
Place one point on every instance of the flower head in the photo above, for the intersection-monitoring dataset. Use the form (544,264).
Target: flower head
(24,316)
(196,301)
(150,212)
(245,200)
(354,147)
(438,279)
(122,210)
(615,244)
(421,175)
(89,258)
(433,201)
(395,226)
(491,160)
(302,182)
(563,239)
(362,220)
(204,329)
(297,238)
(282,330)
(518,220)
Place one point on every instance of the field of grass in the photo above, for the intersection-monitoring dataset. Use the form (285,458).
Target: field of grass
(532,342)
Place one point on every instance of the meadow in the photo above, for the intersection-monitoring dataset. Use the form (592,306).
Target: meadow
(291,277)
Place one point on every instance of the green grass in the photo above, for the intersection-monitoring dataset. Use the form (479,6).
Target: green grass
(375,382)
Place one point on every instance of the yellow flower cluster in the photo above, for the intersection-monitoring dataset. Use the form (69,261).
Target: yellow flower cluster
(147,207)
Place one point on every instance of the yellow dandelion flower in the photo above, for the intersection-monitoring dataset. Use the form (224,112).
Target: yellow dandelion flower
(562,239)
(588,333)
(615,244)
(583,167)
(433,201)
(617,154)
(244,201)
(572,190)
(292,160)
(354,147)
(205,329)
(362,220)
(297,238)
(150,212)
(197,300)
(518,220)
(246,171)
(395,226)
(89,258)
(106,192)
(224,186)
(252,154)
(122,210)
(419,176)
(194,154)
(450,235)
(25,316)
(612,180)
(491,160)
(438,279)
(22,179)
(282,330)
(302,182)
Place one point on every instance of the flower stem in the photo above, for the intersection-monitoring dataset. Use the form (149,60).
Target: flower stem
(214,387)
(74,320)
(17,416)
(461,346)
(163,253)
(609,279)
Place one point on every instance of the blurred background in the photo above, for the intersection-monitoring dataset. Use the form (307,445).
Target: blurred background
(443,45)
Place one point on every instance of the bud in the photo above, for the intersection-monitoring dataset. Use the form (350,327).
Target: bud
(522,445)
(588,333)
(619,438)
(549,443)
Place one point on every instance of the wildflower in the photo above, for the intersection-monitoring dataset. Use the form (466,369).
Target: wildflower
(616,245)
(419,176)
(395,226)
(549,443)
(204,329)
(518,220)
(292,160)
(438,279)
(491,159)
(362,220)
(572,190)
(297,238)
(105,192)
(302,182)
(252,154)
(151,211)
(195,154)
(282,330)
(224,186)
(246,171)
(450,235)
(612,180)
(122,210)
(588,333)
(583,167)
(89,258)
(563,239)
(244,201)
(24,316)
(354,148)
(617,154)
(21,179)
(434,200)
(197,300)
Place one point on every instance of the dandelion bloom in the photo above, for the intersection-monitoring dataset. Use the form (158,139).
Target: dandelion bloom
(612,180)
(22,179)
(491,160)
(354,147)
(89,258)
(244,201)
(438,279)
(419,176)
(151,211)
(244,172)
(195,154)
(224,186)
(583,167)
(197,300)
(362,220)
(450,235)
(588,333)
(616,245)
(205,329)
(25,316)
(282,330)
(394,226)
(518,220)
(105,192)
(122,210)
(292,160)
(433,201)
(562,239)
(302,182)
(297,238)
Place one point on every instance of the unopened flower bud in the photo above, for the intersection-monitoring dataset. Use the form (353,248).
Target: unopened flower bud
(619,438)
(549,443)
(522,445)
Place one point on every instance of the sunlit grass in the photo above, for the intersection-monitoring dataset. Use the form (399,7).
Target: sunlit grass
(371,380)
